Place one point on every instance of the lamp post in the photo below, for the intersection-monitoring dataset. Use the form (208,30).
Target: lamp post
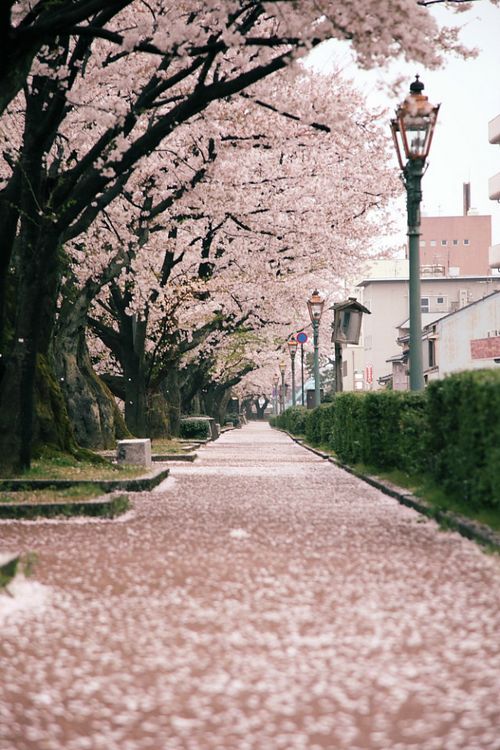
(412,131)
(282,399)
(347,317)
(292,348)
(275,395)
(302,338)
(315,306)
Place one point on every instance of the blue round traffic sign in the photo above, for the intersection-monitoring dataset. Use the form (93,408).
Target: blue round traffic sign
(302,337)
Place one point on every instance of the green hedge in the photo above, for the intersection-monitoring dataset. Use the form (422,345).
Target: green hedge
(347,429)
(464,444)
(293,420)
(195,428)
(319,424)
(450,431)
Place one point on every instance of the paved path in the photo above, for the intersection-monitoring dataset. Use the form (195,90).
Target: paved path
(260,599)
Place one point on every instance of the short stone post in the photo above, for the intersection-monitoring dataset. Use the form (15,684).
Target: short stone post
(137,452)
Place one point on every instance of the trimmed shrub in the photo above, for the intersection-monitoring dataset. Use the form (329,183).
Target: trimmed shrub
(192,427)
(326,422)
(345,437)
(379,425)
(313,425)
(464,411)
(295,420)
(414,433)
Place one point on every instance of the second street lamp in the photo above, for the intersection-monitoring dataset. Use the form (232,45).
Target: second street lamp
(412,131)
(292,348)
(315,306)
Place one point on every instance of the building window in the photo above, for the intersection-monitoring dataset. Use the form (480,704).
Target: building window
(432,352)
(422,243)
(440,300)
(455,242)
(444,242)
(466,242)
(424,304)
(433,243)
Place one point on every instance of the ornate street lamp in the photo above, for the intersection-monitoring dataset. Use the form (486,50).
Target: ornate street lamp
(315,306)
(292,344)
(346,329)
(412,131)
(282,399)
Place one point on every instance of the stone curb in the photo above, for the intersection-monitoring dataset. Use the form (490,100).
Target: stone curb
(465,526)
(88,508)
(175,457)
(139,484)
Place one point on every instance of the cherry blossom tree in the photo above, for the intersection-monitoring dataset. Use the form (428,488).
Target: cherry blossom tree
(80,128)
(251,222)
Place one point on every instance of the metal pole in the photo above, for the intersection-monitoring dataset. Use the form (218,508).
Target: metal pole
(282,391)
(302,369)
(317,392)
(292,356)
(339,384)
(413,180)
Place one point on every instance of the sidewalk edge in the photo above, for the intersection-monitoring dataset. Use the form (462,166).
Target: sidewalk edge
(465,526)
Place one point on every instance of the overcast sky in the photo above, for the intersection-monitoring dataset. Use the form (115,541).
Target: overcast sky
(469,94)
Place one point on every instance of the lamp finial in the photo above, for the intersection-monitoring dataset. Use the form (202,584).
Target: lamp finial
(417,86)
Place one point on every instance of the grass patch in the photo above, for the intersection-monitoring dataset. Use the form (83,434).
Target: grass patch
(65,466)
(434,496)
(50,495)
(164,445)
(58,507)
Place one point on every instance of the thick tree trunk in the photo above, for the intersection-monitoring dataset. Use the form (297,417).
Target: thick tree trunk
(52,425)
(215,402)
(38,277)
(92,409)
(172,392)
(158,416)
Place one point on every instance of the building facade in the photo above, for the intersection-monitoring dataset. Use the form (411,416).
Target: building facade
(455,245)
(387,300)
(468,339)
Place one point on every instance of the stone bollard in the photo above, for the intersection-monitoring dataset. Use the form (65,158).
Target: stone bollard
(136,452)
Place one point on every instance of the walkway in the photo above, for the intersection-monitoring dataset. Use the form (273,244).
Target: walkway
(260,599)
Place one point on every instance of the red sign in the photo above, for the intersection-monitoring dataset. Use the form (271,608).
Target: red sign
(301,337)
(485,348)
(369,374)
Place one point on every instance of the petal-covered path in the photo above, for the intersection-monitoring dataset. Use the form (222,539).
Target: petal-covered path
(260,599)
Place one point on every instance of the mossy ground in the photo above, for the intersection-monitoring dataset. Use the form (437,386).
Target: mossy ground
(66,466)
(165,445)
(33,505)
(51,495)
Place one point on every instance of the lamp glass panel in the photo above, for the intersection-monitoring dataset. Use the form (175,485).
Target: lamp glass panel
(348,326)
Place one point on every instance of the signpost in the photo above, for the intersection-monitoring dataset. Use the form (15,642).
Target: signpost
(302,338)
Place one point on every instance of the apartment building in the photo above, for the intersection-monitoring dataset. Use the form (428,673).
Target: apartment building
(455,245)
(386,296)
